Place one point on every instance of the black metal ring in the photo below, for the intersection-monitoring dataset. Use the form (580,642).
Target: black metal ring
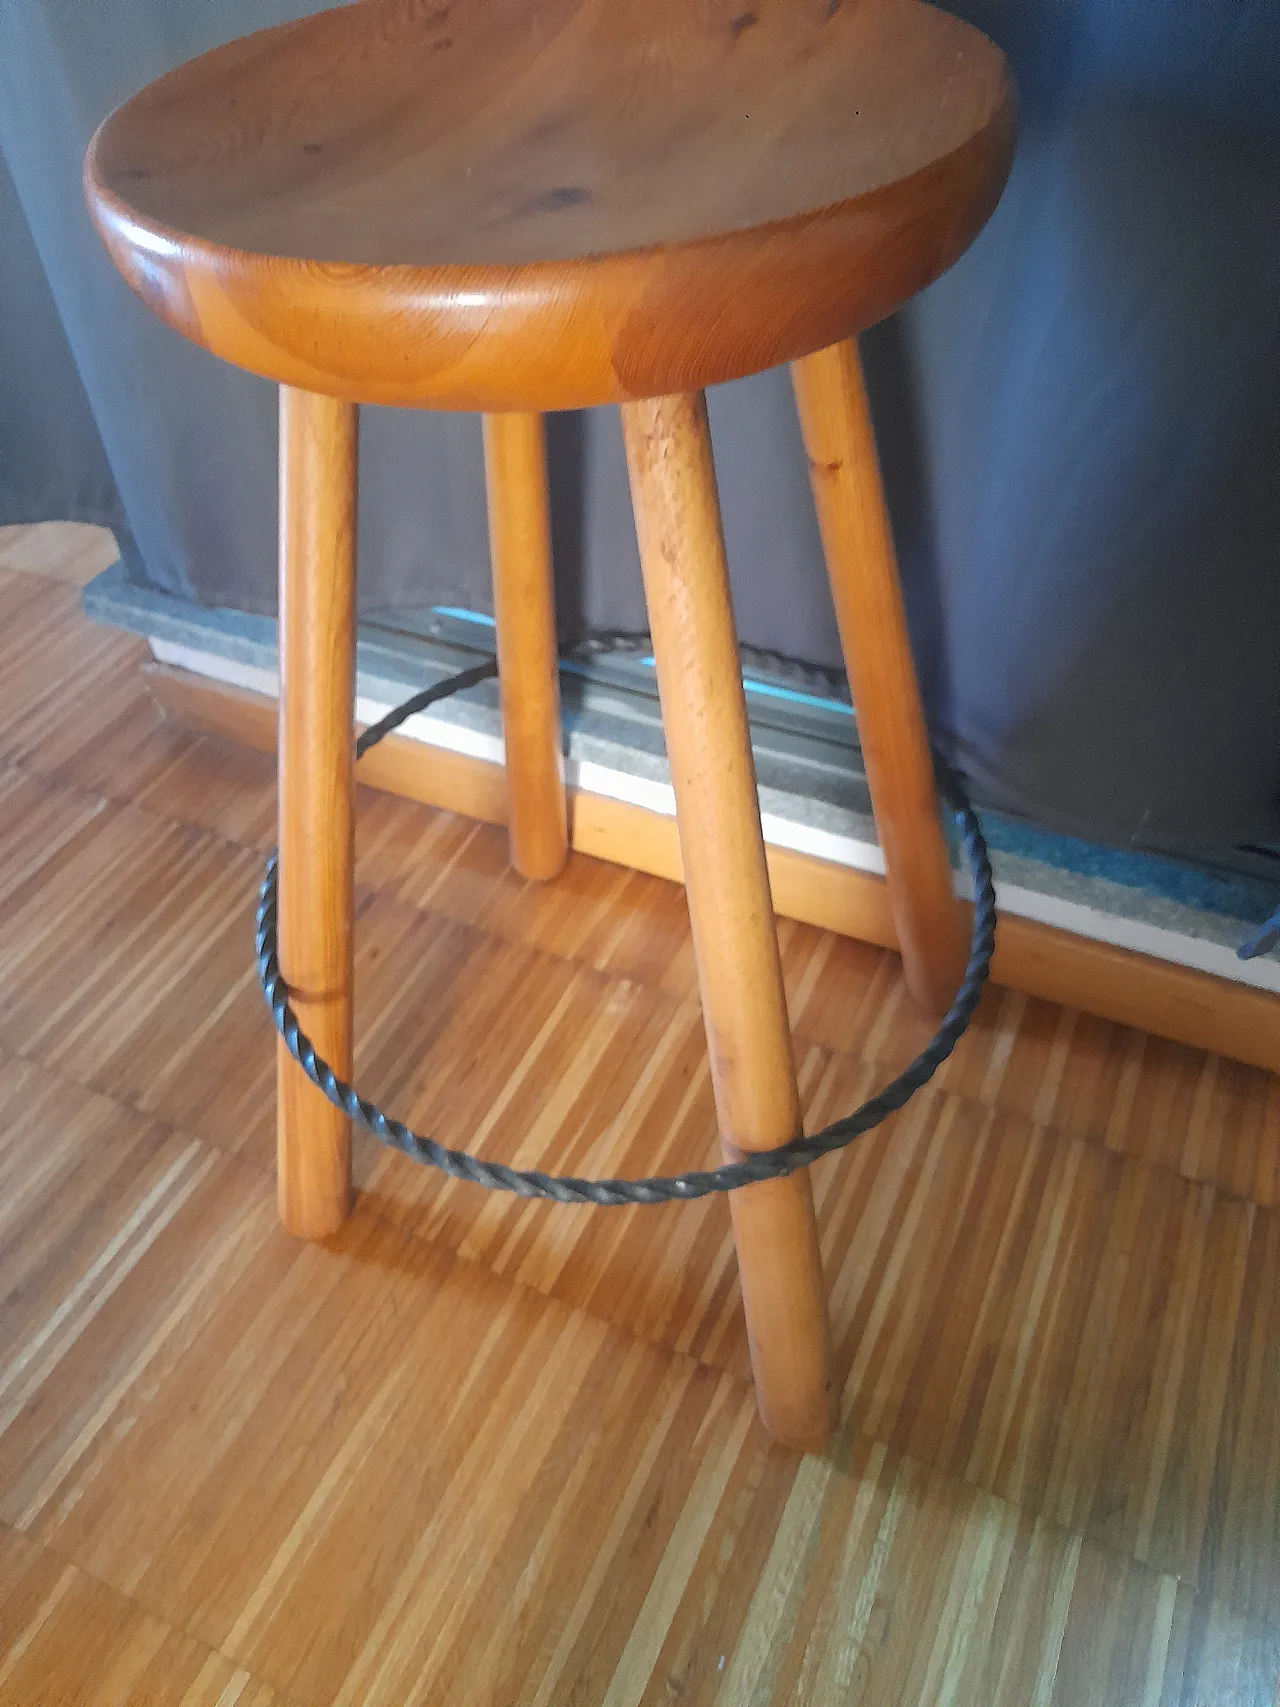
(732,1176)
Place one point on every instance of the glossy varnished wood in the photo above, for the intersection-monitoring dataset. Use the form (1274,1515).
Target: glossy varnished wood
(486,1453)
(862,566)
(317,793)
(704,715)
(530,204)
(515,460)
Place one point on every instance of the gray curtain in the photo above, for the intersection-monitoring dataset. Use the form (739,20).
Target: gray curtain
(52,462)
(1080,424)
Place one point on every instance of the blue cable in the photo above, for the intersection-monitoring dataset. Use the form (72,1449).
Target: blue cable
(1258,942)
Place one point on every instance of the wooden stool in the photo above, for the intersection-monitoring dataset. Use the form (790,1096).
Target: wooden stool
(512,206)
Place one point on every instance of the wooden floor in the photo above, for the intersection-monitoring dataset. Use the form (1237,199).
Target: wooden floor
(476,1451)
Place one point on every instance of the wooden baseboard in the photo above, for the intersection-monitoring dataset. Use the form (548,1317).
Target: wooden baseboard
(1040,960)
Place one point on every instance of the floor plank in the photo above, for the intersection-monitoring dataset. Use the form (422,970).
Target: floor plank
(65,1638)
(475,1450)
(224,1424)
(70,552)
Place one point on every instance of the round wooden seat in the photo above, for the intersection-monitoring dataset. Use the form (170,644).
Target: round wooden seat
(541,204)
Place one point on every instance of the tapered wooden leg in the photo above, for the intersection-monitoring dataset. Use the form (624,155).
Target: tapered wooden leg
(861,563)
(735,940)
(515,455)
(317,685)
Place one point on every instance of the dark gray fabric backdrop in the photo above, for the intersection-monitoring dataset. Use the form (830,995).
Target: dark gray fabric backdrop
(1080,424)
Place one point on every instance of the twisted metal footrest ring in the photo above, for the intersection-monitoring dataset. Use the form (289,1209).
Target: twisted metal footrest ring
(732,1176)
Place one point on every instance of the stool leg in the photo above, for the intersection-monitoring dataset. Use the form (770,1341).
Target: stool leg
(515,457)
(854,523)
(317,687)
(735,940)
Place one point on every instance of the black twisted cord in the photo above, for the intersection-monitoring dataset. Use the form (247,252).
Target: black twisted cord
(420,701)
(732,1176)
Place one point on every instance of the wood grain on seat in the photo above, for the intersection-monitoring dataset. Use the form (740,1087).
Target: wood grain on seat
(532,204)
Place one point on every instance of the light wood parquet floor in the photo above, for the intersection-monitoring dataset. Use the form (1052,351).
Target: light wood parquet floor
(475,1451)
